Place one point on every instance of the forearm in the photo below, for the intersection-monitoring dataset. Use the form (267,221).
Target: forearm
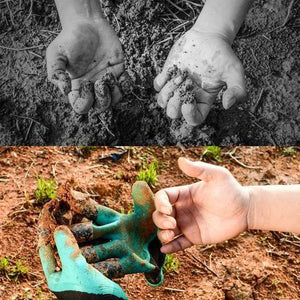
(72,10)
(274,208)
(223,17)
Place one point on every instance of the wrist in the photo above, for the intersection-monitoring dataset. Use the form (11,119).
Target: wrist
(251,208)
(75,11)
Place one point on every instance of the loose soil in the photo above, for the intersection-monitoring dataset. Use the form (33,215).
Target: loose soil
(255,265)
(33,111)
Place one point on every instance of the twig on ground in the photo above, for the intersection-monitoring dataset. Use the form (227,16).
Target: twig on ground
(174,290)
(204,265)
(11,16)
(27,172)
(231,155)
(28,118)
(254,107)
(28,130)
(20,49)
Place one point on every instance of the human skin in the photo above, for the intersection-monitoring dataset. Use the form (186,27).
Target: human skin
(83,52)
(218,208)
(205,53)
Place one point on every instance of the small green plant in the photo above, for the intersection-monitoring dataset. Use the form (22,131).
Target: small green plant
(46,190)
(171,263)
(148,173)
(15,271)
(289,151)
(4,262)
(212,153)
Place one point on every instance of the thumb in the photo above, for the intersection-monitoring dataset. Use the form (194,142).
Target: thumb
(56,68)
(200,170)
(236,88)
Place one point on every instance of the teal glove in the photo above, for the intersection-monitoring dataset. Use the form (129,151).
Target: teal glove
(131,243)
(78,280)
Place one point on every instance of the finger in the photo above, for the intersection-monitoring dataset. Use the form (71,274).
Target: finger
(174,106)
(85,232)
(178,244)
(116,95)
(168,90)
(103,98)
(125,83)
(162,202)
(67,247)
(166,236)
(56,69)
(201,170)
(48,260)
(83,99)
(233,95)
(161,79)
(94,254)
(163,221)
(236,87)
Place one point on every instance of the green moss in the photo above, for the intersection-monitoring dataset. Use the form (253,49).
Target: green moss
(171,263)
(212,153)
(45,191)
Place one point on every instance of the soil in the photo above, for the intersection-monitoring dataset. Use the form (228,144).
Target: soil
(255,265)
(34,112)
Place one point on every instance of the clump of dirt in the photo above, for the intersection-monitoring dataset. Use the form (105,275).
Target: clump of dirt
(70,207)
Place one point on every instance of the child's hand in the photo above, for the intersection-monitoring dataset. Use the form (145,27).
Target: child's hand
(210,211)
(211,63)
(86,49)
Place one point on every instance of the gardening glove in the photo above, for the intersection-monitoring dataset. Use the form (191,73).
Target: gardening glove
(210,211)
(86,62)
(131,243)
(206,64)
(78,280)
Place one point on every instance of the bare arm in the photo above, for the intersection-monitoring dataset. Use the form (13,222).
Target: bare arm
(274,207)
(223,17)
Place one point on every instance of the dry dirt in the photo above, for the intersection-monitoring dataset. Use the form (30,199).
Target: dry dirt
(255,265)
(33,112)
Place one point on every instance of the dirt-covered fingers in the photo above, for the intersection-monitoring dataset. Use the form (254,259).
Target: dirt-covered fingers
(197,108)
(82,96)
(56,68)
(167,92)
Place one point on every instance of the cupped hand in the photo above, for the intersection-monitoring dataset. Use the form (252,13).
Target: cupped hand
(81,55)
(210,211)
(210,62)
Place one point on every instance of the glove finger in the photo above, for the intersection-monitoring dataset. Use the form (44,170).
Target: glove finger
(174,106)
(84,232)
(56,68)
(67,247)
(111,269)
(83,99)
(48,260)
(233,95)
(168,90)
(98,253)
(143,199)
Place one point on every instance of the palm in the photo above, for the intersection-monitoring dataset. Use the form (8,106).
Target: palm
(90,51)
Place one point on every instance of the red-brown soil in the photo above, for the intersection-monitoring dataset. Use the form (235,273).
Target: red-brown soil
(255,265)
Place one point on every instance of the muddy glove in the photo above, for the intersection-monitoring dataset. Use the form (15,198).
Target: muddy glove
(86,60)
(131,243)
(206,64)
(78,280)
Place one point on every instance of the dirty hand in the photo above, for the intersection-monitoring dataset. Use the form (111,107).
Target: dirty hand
(211,64)
(210,211)
(86,51)
(78,279)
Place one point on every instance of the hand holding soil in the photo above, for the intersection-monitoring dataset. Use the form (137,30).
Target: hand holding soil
(210,64)
(81,60)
